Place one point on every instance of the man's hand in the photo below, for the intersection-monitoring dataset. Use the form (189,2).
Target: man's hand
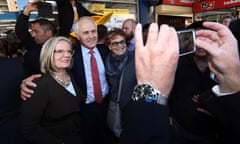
(156,61)
(31,6)
(223,59)
(26,86)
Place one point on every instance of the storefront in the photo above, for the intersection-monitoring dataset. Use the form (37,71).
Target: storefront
(177,13)
(114,12)
(214,10)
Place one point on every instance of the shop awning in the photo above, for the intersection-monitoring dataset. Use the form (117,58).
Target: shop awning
(208,5)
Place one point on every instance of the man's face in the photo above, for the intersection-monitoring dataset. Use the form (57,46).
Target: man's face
(127,27)
(39,34)
(87,33)
(199,51)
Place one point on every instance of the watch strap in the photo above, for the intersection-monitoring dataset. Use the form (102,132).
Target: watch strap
(149,94)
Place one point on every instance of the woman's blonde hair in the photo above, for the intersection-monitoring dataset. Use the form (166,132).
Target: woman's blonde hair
(46,56)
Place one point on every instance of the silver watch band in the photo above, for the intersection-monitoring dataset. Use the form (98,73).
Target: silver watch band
(149,94)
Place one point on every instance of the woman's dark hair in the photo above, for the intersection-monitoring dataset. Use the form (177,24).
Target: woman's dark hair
(114,32)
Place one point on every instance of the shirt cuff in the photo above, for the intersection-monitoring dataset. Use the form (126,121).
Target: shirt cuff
(216,91)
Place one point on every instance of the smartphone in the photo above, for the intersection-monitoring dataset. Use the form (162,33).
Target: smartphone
(186,39)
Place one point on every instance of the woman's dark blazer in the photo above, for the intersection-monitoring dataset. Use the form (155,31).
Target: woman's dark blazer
(51,115)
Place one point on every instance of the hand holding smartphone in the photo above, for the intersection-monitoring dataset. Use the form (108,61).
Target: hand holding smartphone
(186,41)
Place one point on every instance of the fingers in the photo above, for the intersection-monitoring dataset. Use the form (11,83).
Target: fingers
(156,61)
(163,36)
(204,111)
(27,85)
(138,38)
(195,98)
(173,42)
(219,28)
(35,76)
(152,36)
(210,47)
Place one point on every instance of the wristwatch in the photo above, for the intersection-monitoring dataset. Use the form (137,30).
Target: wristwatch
(149,94)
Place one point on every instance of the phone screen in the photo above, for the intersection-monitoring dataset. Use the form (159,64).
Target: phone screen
(186,40)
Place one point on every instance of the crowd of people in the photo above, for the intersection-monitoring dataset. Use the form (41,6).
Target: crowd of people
(61,87)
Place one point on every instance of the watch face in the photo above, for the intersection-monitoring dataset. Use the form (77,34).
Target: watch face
(149,94)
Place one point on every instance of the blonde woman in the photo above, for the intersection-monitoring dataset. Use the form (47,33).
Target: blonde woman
(52,114)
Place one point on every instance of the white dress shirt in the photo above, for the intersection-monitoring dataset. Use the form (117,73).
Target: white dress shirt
(88,73)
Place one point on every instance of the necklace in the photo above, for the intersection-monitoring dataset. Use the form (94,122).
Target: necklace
(62,82)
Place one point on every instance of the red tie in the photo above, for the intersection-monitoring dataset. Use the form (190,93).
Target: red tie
(95,78)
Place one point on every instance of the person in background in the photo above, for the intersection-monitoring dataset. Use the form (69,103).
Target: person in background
(102,31)
(234,27)
(120,65)
(189,126)
(222,101)
(128,27)
(226,20)
(146,117)
(3,47)
(41,30)
(52,114)
(11,75)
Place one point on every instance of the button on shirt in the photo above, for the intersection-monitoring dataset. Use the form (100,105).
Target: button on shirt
(88,74)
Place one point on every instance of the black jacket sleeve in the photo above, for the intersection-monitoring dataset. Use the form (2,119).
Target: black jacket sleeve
(144,123)
(22,31)
(65,17)
(226,110)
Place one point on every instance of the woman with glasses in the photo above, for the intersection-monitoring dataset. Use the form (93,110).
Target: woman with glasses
(120,65)
(52,114)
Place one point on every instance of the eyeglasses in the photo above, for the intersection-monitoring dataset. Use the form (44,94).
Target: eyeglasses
(115,44)
(62,52)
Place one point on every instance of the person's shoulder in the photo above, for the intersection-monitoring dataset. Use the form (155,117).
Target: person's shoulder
(43,80)
(101,46)
(10,60)
(11,64)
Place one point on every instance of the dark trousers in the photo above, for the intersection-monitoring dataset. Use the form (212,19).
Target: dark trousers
(95,129)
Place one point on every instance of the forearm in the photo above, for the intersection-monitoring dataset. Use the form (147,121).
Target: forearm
(22,30)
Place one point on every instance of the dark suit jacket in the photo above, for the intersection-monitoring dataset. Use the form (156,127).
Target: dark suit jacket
(11,75)
(226,110)
(78,67)
(52,114)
